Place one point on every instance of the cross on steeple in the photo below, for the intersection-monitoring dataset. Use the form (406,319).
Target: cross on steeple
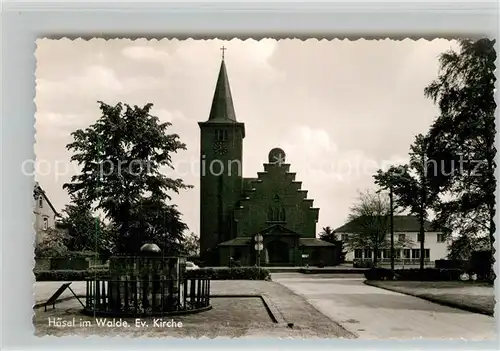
(223,49)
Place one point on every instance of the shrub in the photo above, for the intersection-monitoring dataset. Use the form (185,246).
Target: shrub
(379,274)
(362,263)
(237,273)
(69,264)
(320,264)
(414,274)
(451,264)
(481,263)
(68,275)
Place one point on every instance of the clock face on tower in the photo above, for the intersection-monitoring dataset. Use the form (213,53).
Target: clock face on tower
(220,148)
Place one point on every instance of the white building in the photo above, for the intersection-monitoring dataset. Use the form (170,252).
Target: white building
(45,213)
(406,229)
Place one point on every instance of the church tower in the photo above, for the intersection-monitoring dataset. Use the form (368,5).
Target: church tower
(221,175)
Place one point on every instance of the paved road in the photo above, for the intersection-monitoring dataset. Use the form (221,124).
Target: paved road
(374,313)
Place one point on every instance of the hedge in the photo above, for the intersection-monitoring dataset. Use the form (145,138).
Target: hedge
(237,273)
(415,274)
(68,275)
(452,264)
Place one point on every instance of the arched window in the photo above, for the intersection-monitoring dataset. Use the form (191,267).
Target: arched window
(221,135)
(276,214)
(270,214)
(281,216)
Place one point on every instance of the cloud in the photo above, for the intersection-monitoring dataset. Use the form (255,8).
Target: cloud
(146,53)
(339,109)
(168,116)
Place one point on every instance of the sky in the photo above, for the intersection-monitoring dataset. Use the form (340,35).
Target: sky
(339,109)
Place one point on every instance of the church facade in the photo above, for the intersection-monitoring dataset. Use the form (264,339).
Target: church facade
(236,210)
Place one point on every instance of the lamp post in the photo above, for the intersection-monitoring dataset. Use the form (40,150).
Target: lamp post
(392,224)
(391,221)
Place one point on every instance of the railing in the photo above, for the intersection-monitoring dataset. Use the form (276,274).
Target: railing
(131,297)
(399,261)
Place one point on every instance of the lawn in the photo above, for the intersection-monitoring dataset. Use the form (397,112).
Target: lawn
(475,297)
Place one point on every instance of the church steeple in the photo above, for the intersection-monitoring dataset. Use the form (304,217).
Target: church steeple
(222,104)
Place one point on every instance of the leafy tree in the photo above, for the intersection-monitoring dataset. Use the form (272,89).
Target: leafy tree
(327,234)
(51,244)
(81,226)
(462,247)
(461,140)
(121,156)
(411,187)
(191,245)
(154,221)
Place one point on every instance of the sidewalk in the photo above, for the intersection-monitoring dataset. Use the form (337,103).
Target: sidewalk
(374,313)
(476,298)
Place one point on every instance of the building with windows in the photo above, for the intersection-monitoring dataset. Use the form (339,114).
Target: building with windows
(45,213)
(236,210)
(406,243)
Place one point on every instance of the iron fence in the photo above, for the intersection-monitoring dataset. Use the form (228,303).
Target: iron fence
(146,297)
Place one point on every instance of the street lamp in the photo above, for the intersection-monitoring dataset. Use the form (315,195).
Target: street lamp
(392,224)
(391,221)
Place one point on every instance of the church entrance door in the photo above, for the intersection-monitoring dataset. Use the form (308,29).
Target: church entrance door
(278,253)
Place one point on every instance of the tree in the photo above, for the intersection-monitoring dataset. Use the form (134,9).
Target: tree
(462,247)
(461,140)
(154,221)
(369,223)
(82,227)
(411,187)
(327,234)
(191,245)
(121,156)
(52,244)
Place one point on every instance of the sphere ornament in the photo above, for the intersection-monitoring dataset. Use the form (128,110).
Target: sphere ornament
(277,156)
(150,248)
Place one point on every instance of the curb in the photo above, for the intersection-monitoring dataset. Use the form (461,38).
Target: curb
(271,309)
(42,304)
(436,300)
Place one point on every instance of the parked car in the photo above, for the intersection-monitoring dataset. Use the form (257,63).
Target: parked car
(191,266)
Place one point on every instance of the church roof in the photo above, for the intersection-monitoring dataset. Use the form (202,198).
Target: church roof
(239,241)
(313,242)
(222,104)
(402,223)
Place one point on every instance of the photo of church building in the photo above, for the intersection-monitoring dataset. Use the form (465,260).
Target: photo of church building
(235,211)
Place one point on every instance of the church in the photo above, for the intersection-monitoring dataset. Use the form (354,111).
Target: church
(266,220)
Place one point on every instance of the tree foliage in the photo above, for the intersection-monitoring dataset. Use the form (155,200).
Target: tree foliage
(191,245)
(52,244)
(121,156)
(461,140)
(411,186)
(154,221)
(84,230)
(327,234)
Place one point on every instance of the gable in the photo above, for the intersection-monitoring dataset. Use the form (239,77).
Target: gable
(37,192)
(275,197)
(401,224)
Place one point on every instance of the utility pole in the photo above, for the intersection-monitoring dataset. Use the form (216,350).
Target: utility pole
(392,224)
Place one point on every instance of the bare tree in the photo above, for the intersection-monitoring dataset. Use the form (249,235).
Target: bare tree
(369,220)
